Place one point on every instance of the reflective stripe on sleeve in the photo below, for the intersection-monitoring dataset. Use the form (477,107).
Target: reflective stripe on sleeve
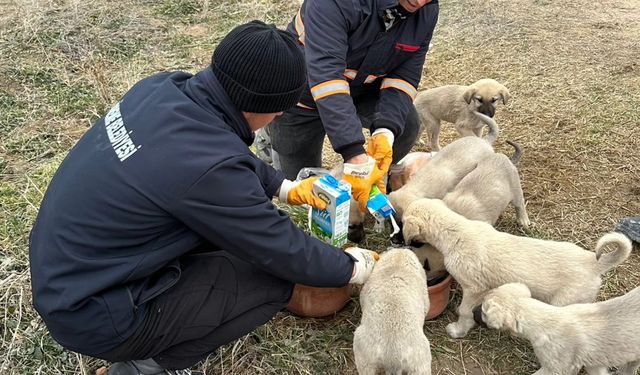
(371,78)
(350,73)
(400,84)
(333,87)
(299,27)
(304,106)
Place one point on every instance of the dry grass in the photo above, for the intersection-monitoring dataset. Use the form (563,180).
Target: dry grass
(571,67)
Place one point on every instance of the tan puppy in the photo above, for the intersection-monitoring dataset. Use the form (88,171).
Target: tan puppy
(460,105)
(481,258)
(594,335)
(394,303)
(486,191)
(442,173)
(400,173)
(483,195)
(474,180)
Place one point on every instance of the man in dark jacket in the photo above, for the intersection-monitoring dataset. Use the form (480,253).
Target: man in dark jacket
(157,241)
(364,61)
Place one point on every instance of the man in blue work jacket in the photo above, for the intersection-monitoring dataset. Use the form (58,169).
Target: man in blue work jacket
(157,241)
(364,61)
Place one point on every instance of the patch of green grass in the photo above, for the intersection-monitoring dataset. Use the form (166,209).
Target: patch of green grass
(31,145)
(181,10)
(181,41)
(64,97)
(13,112)
(124,47)
(21,197)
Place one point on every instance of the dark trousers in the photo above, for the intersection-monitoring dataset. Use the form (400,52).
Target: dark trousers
(298,134)
(218,299)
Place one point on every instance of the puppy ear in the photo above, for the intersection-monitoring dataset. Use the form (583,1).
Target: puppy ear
(504,94)
(468,95)
(499,316)
(410,228)
(512,322)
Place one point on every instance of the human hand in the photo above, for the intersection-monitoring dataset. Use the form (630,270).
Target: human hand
(358,159)
(359,176)
(363,265)
(301,193)
(380,149)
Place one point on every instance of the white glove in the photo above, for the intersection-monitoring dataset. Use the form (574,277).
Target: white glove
(363,265)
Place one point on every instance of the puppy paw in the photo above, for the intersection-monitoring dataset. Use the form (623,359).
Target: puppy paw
(525,223)
(455,331)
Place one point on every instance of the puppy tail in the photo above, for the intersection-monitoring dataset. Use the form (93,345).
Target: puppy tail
(492,135)
(609,260)
(517,152)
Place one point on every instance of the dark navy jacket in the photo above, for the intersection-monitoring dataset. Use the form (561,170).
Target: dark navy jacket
(167,169)
(349,52)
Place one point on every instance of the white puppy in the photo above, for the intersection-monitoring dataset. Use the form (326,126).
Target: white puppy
(594,335)
(394,303)
(481,258)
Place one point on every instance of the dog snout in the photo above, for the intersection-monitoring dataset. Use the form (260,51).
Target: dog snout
(356,233)
(487,109)
(477,316)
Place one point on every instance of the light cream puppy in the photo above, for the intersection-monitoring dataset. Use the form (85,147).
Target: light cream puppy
(394,303)
(400,173)
(483,195)
(486,191)
(442,173)
(481,258)
(460,105)
(594,335)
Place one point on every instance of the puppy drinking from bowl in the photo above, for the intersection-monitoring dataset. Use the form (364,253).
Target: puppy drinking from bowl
(485,192)
(594,335)
(394,302)
(481,258)
(442,173)
(481,195)
(469,108)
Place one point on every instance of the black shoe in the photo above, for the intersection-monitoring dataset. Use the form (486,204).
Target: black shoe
(145,367)
(630,227)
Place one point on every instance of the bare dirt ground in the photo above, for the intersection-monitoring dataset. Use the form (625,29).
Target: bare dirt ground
(572,69)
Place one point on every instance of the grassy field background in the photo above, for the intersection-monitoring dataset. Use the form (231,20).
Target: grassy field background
(572,68)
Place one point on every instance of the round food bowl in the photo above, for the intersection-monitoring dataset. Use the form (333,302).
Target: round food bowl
(439,289)
(311,302)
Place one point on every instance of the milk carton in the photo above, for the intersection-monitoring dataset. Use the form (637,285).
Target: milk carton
(379,205)
(331,225)
(381,209)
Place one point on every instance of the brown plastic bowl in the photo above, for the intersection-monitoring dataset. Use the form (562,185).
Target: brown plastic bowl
(311,302)
(439,297)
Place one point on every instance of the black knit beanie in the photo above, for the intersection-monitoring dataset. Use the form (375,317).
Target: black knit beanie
(261,68)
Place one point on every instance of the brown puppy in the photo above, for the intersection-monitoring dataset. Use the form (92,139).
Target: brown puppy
(460,105)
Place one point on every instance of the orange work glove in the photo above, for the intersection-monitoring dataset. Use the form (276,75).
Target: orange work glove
(300,192)
(380,149)
(359,176)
